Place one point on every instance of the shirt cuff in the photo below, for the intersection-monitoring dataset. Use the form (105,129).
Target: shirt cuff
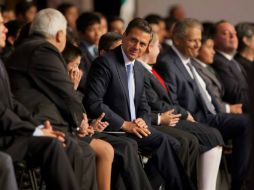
(38,131)
(159,119)
(227,106)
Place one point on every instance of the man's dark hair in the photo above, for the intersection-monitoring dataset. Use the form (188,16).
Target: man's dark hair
(23,6)
(215,28)
(181,27)
(244,30)
(87,19)
(113,19)
(153,19)
(23,34)
(71,52)
(14,27)
(141,24)
(63,7)
(107,40)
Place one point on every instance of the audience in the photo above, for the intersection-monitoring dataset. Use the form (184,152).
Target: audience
(189,90)
(177,111)
(164,113)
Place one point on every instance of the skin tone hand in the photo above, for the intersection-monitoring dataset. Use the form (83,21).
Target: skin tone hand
(99,125)
(75,76)
(140,123)
(49,132)
(84,128)
(133,128)
(236,108)
(170,119)
(190,118)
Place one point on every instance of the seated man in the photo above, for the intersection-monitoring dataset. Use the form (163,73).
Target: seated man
(116,87)
(230,72)
(188,90)
(41,146)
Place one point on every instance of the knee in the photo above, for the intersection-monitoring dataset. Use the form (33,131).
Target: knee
(103,150)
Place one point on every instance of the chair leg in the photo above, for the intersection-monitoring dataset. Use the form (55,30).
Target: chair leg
(33,179)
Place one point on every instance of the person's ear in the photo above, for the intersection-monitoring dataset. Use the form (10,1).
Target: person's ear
(149,48)
(60,35)
(246,41)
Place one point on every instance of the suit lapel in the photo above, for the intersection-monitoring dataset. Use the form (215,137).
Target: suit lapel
(182,69)
(122,74)
(208,74)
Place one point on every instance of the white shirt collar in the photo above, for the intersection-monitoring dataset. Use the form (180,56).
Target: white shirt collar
(127,61)
(184,59)
(148,67)
(200,62)
(226,55)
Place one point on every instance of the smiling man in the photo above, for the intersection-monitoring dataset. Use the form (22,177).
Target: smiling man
(116,87)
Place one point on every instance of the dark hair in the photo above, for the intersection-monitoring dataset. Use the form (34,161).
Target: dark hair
(153,19)
(180,28)
(87,19)
(215,28)
(14,27)
(107,40)
(63,7)
(23,6)
(23,34)
(244,30)
(71,52)
(141,24)
(113,19)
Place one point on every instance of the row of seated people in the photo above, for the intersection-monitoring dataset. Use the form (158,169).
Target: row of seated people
(120,90)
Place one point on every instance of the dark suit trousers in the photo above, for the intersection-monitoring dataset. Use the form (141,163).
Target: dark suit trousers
(49,154)
(7,175)
(237,128)
(164,160)
(126,163)
(188,152)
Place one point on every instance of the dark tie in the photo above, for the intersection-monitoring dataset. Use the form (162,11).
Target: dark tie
(208,103)
(131,92)
(160,79)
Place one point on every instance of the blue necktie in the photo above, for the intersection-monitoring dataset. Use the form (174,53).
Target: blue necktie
(131,91)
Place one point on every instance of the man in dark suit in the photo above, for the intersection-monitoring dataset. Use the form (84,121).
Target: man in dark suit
(50,94)
(116,87)
(24,139)
(203,65)
(189,91)
(230,72)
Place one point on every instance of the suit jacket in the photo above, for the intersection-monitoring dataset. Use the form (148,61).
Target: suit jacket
(15,122)
(233,80)
(158,99)
(182,87)
(40,81)
(212,84)
(107,90)
(245,63)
